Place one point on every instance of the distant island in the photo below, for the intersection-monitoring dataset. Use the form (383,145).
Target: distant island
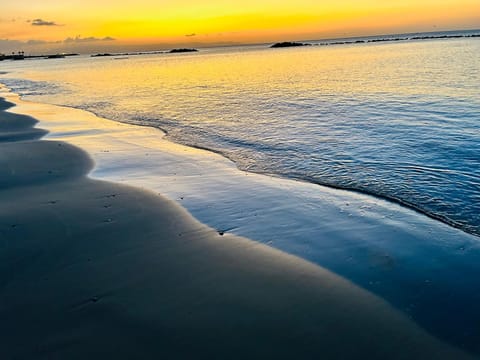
(385,38)
(21,56)
(426,36)
(288,44)
(128,53)
(175,51)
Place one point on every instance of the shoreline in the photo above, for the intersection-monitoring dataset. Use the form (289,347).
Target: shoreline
(373,243)
(94,268)
(165,136)
(393,200)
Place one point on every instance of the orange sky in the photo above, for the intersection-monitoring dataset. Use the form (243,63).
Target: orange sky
(74,25)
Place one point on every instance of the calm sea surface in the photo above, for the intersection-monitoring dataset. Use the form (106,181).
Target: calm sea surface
(397,120)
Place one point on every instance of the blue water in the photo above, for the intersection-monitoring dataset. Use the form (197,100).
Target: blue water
(396,120)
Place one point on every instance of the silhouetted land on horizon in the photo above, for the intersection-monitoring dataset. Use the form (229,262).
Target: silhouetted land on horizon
(383,38)
(173,51)
(288,44)
(129,53)
(399,38)
(380,38)
(21,56)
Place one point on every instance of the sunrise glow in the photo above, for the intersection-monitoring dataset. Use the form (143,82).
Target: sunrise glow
(75,23)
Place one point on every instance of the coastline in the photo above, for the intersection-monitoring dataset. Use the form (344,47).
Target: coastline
(411,261)
(96,268)
(430,189)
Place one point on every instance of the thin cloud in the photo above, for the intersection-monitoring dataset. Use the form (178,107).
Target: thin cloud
(79,39)
(36,42)
(4,42)
(191,35)
(40,22)
(32,42)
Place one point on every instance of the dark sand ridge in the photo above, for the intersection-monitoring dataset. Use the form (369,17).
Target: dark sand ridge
(92,269)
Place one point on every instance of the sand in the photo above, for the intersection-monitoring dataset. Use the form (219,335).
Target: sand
(94,269)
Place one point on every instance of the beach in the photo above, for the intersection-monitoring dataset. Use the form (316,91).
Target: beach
(202,207)
(97,269)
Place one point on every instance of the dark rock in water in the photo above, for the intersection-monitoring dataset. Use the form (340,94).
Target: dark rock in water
(174,51)
(103,54)
(288,44)
(55,56)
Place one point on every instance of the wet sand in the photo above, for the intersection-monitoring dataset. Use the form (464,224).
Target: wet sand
(94,269)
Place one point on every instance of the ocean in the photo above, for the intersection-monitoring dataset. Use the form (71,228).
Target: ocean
(392,122)
(400,121)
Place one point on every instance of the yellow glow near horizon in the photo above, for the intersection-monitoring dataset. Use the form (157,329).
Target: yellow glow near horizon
(222,21)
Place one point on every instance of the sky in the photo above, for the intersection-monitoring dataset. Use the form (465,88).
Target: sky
(96,25)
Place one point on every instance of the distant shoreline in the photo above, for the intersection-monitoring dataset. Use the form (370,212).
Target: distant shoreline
(349,40)
(22,56)
(400,38)
(172,51)
(380,39)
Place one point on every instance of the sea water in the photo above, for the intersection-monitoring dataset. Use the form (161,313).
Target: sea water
(398,120)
